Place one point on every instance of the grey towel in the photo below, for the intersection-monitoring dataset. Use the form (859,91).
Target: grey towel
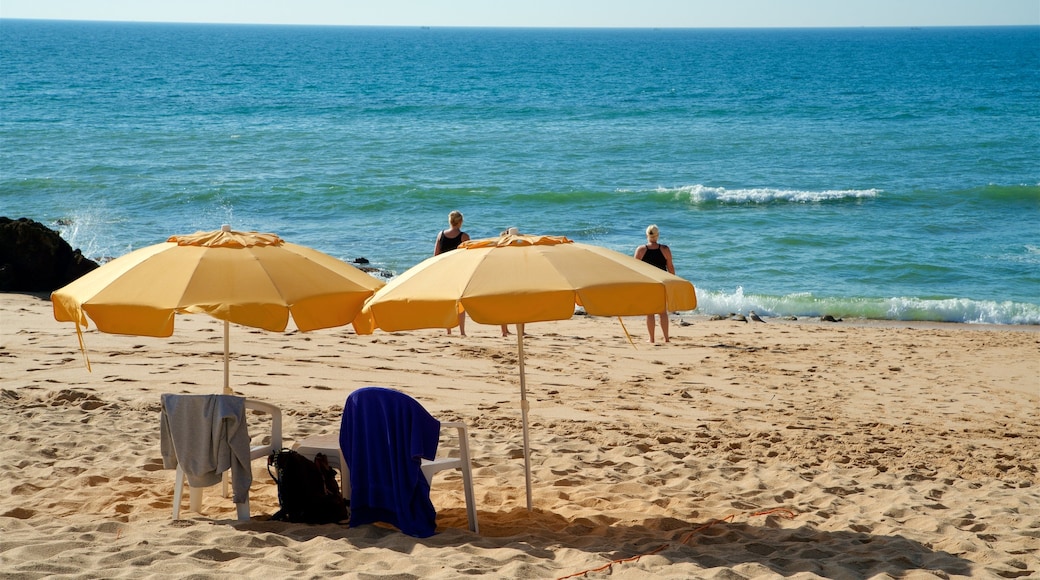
(206,435)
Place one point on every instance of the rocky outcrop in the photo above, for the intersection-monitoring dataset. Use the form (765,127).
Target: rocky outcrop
(35,258)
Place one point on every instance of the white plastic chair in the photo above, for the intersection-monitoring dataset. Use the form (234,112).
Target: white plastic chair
(255,452)
(328,444)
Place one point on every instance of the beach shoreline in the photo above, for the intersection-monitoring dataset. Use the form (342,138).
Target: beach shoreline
(898,449)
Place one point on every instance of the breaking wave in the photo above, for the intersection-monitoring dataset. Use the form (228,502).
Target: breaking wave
(702,194)
(899,308)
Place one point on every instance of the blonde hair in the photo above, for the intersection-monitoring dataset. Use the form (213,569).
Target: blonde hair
(455,218)
(652,232)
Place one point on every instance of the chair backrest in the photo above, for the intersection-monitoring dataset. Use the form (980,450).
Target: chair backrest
(384,435)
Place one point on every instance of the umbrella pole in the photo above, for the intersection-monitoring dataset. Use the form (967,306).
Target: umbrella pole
(523,410)
(227,349)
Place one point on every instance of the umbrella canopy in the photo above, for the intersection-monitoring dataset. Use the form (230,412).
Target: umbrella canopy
(517,279)
(522,278)
(249,278)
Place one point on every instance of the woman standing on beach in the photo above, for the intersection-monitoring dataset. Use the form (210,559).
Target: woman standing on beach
(658,255)
(448,240)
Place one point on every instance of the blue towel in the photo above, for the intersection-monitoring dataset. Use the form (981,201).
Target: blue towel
(384,436)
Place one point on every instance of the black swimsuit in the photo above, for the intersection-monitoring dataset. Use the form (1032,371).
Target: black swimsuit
(447,244)
(656,257)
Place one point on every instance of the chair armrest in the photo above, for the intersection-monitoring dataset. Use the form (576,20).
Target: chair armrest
(276,419)
(463,438)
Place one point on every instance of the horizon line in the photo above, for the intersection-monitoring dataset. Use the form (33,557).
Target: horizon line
(525,27)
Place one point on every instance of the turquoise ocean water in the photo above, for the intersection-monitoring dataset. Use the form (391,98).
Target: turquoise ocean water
(878,173)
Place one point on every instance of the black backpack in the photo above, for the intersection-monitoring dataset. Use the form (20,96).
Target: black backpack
(307,490)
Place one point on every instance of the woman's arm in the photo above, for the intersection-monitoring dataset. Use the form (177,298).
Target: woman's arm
(668,259)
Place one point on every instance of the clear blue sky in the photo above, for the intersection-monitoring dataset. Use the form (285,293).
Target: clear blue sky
(544,13)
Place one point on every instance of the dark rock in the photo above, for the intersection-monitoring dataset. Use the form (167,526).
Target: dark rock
(361,260)
(35,258)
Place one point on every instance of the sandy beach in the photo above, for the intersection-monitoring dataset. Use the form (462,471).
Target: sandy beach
(789,449)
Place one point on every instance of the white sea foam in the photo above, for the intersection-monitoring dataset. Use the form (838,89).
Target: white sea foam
(705,194)
(901,308)
(82,232)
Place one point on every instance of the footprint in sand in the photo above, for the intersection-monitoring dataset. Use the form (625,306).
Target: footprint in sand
(19,513)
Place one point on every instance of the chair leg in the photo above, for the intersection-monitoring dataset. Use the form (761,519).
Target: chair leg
(344,476)
(178,491)
(467,479)
(471,505)
(195,499)
(243,510)
(194,495)
(467,485)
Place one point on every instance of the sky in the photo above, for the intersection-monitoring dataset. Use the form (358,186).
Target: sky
(545,13)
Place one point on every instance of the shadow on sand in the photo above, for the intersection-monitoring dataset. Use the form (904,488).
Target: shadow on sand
(785,551)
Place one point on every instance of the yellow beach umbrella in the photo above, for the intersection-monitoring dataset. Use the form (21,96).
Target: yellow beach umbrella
(249,278)
(517,279)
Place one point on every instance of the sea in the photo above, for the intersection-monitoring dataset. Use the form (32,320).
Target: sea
(867,173)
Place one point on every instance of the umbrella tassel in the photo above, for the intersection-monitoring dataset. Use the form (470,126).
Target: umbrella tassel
(627,335)
(82,345)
